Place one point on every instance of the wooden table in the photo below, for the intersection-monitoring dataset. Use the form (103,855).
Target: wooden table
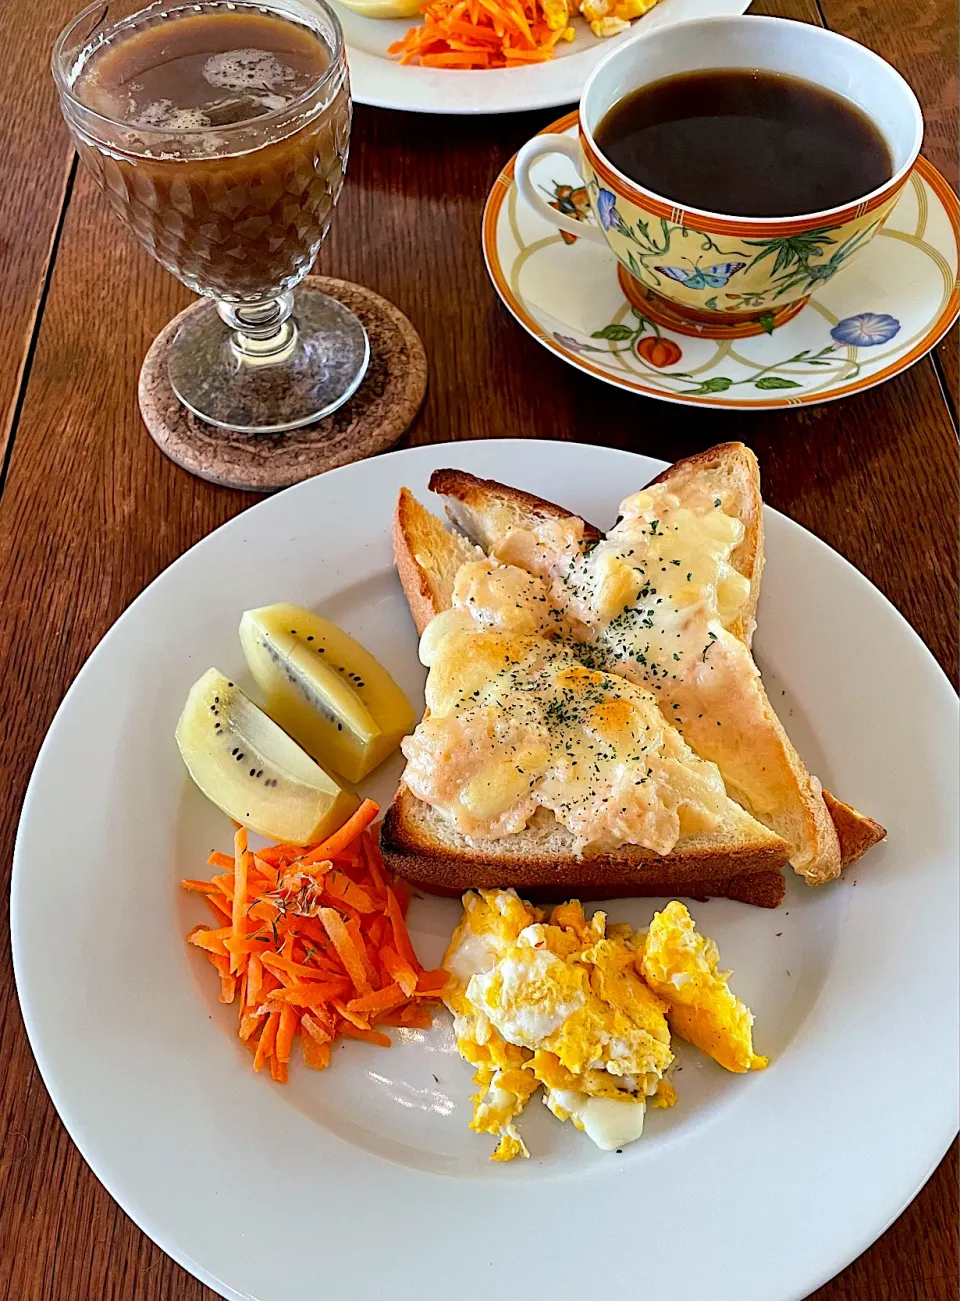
(91,512)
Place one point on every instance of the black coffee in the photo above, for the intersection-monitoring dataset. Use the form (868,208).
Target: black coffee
(746,143)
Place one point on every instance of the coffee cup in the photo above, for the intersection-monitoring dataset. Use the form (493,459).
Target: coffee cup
(750,274)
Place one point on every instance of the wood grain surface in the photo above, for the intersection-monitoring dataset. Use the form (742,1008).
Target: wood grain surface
(91,512)
(36,165)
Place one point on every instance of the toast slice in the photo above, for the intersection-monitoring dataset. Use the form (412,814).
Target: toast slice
(427,557)
(428,852)
(739,859)
(856,832)
(731,469)
(486,511)
(726,715)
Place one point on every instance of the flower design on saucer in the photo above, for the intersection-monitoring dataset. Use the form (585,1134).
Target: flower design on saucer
(787,372)
(652,349)
(658,351)
(571,344)
(866,329)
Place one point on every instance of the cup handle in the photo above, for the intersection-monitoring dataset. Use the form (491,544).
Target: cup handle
(537,148)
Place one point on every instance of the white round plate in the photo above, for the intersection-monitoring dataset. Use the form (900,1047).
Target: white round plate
(378,79)
(364,1180)
(566,293)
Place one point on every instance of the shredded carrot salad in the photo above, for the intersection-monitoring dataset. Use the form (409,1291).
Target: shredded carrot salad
(312,941)
(485,33)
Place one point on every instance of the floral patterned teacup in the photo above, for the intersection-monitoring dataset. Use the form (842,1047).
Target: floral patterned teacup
(711,273)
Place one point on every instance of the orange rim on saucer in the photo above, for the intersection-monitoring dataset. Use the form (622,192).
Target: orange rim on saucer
(498,195)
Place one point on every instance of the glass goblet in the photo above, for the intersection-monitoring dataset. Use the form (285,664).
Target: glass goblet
(219,131)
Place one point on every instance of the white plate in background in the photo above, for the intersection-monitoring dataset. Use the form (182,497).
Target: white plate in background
(378,79)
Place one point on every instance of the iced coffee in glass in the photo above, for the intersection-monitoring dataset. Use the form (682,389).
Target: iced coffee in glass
(219,132)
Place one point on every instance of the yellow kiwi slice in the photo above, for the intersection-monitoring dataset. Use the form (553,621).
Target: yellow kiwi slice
(324,688)
(252,770)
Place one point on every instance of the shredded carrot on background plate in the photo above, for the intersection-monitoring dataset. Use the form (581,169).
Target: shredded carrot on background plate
(485,33)
(314,941)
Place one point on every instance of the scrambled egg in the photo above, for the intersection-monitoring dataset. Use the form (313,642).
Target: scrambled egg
(556,14)
(606,17)
(682,967)
(611,17)
(568,1004)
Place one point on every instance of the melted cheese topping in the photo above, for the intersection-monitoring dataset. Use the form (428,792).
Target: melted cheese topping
(516,721)
(657,592)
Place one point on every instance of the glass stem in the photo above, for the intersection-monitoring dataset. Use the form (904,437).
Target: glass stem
(261,333)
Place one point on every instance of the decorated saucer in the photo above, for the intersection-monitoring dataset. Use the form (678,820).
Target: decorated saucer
(868,322)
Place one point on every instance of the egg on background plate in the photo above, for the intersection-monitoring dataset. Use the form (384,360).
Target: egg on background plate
(568,1005)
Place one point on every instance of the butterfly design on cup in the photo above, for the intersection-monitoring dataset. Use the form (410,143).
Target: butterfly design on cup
(572,202)
(699,277)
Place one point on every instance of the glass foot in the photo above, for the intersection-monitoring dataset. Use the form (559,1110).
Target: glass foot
(273,370)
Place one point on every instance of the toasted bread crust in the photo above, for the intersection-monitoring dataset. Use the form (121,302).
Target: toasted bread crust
(475,493)
(857,833)
(416,532)
(751,874)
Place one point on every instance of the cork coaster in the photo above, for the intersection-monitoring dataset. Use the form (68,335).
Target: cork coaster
(377,415)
